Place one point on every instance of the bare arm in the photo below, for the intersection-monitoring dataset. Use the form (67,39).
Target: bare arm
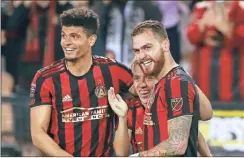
(206,111)
(176,144)
(122,139)
(202,146)
(40,118)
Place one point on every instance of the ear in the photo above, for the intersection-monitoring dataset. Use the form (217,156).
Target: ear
(92,39)
(165,45)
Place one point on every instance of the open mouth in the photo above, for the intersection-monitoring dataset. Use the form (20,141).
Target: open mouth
(69,50)
(144,93)
(147,63)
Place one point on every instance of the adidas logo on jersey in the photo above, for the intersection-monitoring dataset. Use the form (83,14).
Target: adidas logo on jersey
(139,131)
(67,98)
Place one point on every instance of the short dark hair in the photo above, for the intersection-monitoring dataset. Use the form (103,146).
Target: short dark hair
(83,17)
(155,26)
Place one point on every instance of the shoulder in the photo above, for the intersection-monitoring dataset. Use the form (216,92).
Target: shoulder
(50,70)
(178,81)
(103,60)
(100,60)
(179,74)
(115,66)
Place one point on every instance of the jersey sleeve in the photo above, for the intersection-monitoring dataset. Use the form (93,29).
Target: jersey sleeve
(40,91)
(123,76)
(180,95)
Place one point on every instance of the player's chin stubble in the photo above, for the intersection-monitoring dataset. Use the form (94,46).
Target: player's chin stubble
(159,64)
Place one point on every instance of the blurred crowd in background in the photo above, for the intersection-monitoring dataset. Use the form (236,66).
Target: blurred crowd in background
(206,37)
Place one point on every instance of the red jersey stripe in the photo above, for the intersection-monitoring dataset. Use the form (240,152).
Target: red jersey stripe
(124,76)
(176,94)
(150,137)
(113,70)
(100,83)
(54,128)
(204,78)
(69,127)
(44,91)
(162,114)
(86,125)
(225,71)
(191,93)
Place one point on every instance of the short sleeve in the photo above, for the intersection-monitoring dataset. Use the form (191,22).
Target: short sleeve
(180,94)
(40,91)
(123,75)
(134,105)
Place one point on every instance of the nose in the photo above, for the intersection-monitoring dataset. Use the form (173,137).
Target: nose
(142,83)
(140,56)
(66,41)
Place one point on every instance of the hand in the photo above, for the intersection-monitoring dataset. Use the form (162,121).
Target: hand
(222,22)
(117,103)
(208,17)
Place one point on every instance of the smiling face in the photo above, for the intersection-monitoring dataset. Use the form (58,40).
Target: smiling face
(74,42)
(143,84)
(149,52)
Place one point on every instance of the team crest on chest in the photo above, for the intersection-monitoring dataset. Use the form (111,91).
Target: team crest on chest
(101,91)
(176,104)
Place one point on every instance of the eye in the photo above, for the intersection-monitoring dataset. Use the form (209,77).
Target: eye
(136,51)
(136,78)
(74,36)
(150,78)
(147,47)
(63,36)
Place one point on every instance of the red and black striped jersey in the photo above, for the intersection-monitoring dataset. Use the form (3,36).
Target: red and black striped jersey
(82,120)
(175,95)
(135,123)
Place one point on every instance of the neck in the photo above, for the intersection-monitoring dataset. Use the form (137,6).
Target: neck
(168,65)
(81,66)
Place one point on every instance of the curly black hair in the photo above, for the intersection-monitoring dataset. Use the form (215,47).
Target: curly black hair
(83,17)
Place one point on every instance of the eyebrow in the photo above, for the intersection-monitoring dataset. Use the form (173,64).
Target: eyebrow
(73,33)
(135,75)
(142,47)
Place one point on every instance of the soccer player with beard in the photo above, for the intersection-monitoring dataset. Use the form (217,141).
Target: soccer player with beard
(171,121)
(70,113)
(144,86)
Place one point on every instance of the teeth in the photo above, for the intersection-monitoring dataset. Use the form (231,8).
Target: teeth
(147,63)
(69,49)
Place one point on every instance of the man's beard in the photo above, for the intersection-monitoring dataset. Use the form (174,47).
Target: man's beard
(158,65)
